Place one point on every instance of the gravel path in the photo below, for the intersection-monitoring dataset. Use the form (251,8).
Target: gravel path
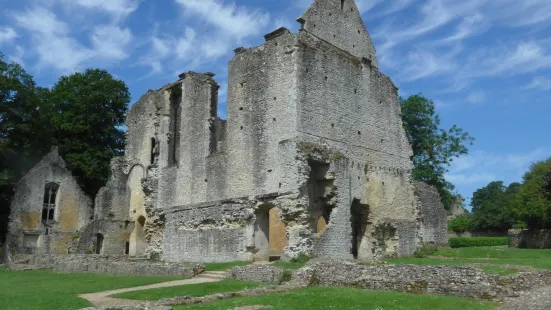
(101,299)
(538,299)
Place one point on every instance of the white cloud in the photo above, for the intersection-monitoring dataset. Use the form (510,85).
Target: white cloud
(469,26)
(540,82)
(224,27)
(395,6)
(508,167)
(41,21)
(7,35)
(233,20)
(116,8)
(367,5)
(55,46)
(110,41)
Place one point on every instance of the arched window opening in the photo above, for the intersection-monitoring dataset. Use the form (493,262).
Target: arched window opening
(49,202)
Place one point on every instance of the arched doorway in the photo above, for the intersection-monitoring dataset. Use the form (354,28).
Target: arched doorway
(270,234)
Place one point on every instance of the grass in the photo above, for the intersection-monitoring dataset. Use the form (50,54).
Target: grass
(346,298)
(501,255)
(46,290)
(194,290)
(499,270)
(224,266)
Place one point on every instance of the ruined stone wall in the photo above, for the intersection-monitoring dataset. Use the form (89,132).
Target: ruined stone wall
(261,114)
(183,178)
(142,122)
(29,233)
(339,23)
(332,84)
(434,220)
(313,129)
(215,232)
(530,239)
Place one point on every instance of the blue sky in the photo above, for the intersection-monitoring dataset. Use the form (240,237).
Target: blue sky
(485,63)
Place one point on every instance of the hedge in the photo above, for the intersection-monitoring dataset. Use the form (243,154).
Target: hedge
(464,242)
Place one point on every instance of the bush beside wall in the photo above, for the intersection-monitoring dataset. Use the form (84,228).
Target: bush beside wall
(462,242)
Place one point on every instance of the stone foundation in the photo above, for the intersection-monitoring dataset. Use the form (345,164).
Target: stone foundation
(257,273)
(110,264)
(466,282)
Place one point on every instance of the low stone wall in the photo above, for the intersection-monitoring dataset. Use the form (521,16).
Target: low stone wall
(111,264)
(257,273)
(530,239)
(442,280)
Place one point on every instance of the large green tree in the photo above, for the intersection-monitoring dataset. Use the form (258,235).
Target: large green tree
(24,130)
(547,184)
(492,206)
(90,110)
(434,148)
(531,205)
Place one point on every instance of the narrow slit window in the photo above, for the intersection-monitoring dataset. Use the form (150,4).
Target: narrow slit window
(49,202)
(342,4)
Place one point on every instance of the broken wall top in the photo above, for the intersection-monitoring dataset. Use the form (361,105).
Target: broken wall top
(339,22)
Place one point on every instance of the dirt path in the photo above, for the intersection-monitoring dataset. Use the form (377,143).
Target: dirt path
(101,299)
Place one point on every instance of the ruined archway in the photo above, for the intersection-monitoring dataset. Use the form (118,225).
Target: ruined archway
(270,234)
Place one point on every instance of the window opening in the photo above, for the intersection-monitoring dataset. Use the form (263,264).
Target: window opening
(342,4)
(48,206)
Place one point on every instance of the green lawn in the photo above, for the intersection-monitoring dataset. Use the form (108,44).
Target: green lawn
(224,266)
(502,255)
(195,290)
(345,298)
(46,290)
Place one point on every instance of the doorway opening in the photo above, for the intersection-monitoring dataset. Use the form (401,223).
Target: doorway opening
(99,243)
(270,234)
(359,215)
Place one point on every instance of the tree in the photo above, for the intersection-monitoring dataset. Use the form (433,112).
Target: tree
(531,204)
(460,225)
(24,130)
(492,206)
(547,184)
(433,148)
(91,108)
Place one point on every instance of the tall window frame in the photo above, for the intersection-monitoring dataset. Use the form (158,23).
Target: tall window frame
(49,202)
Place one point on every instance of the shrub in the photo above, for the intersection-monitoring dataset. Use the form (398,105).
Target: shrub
(300,258)
(462,242)
(286,276)
(460,225)
(426,250)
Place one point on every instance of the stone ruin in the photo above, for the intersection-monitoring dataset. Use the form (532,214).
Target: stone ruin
(48,209)
(311,159)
